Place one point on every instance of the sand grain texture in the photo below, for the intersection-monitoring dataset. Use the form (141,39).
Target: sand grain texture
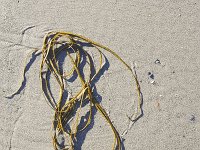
(141,31)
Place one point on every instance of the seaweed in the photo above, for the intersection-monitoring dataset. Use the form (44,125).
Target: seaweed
(67,110)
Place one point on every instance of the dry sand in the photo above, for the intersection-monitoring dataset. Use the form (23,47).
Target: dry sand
(138,30)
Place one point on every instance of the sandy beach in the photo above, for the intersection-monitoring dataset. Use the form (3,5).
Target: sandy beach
(160,37)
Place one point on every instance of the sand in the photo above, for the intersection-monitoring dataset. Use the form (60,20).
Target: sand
(161,37)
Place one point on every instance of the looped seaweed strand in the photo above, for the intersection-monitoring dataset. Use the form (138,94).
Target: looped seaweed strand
(67,114)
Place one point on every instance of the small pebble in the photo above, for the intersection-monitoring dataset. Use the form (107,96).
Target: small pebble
(152,82)
(150,75)
(157,61)
(192,118)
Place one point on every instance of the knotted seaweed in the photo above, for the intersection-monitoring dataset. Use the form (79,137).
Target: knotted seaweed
(68,110)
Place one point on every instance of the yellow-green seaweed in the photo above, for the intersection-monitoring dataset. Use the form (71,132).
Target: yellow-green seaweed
(64,109)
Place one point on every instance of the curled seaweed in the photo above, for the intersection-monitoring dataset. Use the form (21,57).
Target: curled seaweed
(68,110)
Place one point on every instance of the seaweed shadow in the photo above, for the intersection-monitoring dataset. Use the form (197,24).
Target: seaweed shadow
(26,69)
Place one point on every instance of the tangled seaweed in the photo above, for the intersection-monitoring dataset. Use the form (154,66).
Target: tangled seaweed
(68,110)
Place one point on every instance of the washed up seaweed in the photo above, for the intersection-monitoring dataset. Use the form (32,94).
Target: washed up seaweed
(68,110)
